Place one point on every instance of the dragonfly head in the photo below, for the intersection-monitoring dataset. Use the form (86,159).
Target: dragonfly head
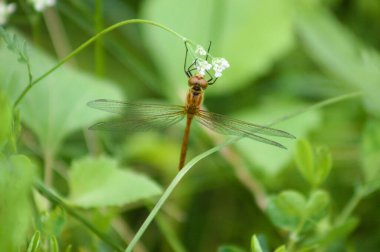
(197,82)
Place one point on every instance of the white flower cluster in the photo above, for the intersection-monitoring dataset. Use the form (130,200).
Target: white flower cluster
(41,5)
(5,11)
(202,66)
(218,65)
(200,51)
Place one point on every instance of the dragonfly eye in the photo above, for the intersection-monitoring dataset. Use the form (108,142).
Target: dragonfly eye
(203,83)
(192,81)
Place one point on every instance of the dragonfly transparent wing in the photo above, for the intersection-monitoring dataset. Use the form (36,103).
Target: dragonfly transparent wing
(136,116)
(229,126)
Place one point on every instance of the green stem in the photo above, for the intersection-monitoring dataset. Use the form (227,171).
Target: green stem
(57,200)
(350,206)
(170,189)
(319,105)
(99,53)
(88,42)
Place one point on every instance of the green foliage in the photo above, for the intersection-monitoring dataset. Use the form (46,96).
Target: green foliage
(291,211)
(230,249)
(314,165)
(16,180)
(255,244)
(299,66)
(100,183)
(371,154)
(6,120)
(34,242)
(16,45)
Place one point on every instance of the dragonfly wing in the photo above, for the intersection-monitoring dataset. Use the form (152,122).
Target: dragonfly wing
(137,117)
(131,108)
(242,125)
(229,126)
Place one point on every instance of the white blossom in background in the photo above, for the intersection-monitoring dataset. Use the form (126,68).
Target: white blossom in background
(219,65)
(200,51)
(202,66)
(41,5)
(5,11)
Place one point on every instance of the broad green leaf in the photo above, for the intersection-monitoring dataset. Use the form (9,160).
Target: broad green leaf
(230,248)
(316,208)
(99,182)
(6,119)
(34,242)
(56,106)
(314,165)
(16,181)
(370,154)
(323,164)
(255,244)
(286,210)
(250,34)
(305,160)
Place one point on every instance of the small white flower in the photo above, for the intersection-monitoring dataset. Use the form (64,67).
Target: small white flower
(202,66)
(41,5)
(219,65)
(200,51)
(5,11)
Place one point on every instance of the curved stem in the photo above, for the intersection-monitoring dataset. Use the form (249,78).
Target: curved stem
(88,42)
(170,189)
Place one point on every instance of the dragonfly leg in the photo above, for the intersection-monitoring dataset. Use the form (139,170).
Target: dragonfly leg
(208,50)
(187,72)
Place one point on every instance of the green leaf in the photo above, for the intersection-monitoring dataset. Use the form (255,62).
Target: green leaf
(316,208)
(16,45)
(6,120)
(255,244)
(323,164)
(313,165)
(250,49)
(332,234)
(370,154)
(34,242)
(229,248)
(280,249)
(16,182)
(292,212)
(286,210)
(56,106)
(305,160)
(53,244)
(99,182)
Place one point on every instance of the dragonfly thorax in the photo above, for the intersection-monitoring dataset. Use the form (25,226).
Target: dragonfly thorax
(197,82)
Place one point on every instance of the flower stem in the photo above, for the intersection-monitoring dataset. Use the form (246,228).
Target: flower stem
(90,41)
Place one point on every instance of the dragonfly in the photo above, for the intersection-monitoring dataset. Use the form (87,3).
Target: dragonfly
(144,117)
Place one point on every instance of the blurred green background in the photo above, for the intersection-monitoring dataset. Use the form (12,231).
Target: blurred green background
(285,55)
